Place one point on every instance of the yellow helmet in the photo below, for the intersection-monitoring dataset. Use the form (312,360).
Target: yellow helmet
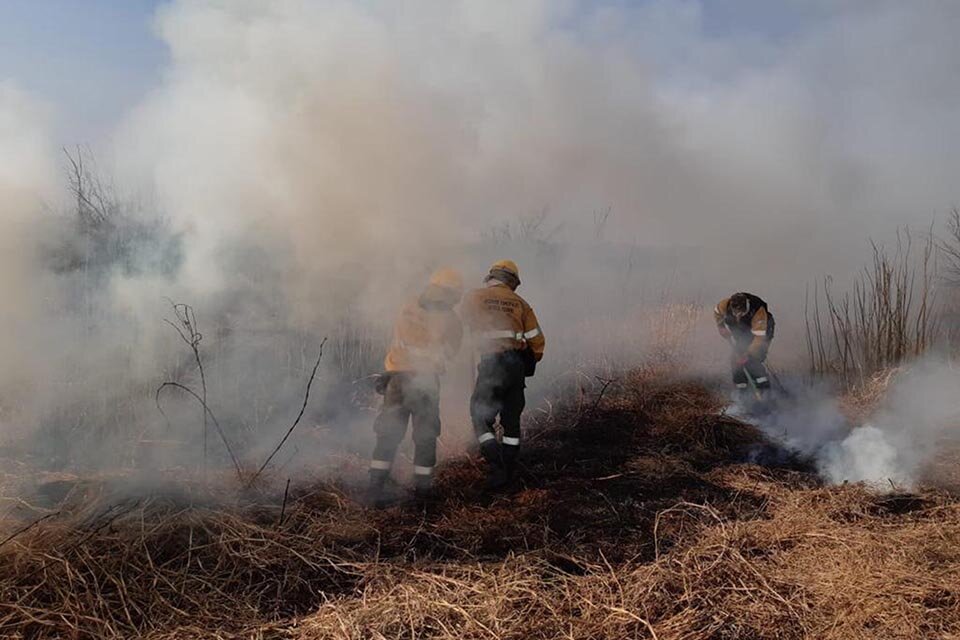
(506,265)
(505,271)
(447,278)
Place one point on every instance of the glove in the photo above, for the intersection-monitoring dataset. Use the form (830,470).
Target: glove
(381,382)
(529,362)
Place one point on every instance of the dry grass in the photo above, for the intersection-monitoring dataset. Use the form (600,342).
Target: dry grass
(862,400)
(820,563)
(671,328)
(634,520)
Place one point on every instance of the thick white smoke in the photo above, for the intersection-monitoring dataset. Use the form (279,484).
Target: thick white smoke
(315,160)
(897,446)
(894,448)
(358,134)
(27,179)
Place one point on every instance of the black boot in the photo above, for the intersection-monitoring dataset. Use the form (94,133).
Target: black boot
(423,491)
(497,477)
(490,450)
(376,494)
(511,463)
(496,472)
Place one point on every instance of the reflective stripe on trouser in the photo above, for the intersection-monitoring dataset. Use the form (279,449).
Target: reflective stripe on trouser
(422,476)
(757,371)
(404,401)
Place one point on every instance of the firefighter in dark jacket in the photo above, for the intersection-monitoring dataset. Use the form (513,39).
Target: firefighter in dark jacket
(746,322)
(510,343)
(426,335)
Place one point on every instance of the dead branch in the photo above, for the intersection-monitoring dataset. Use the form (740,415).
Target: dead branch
(27,527)
(216,423)
(189,332)
(303,408)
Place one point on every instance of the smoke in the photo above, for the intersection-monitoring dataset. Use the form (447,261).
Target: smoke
(302,166)
(869,455)
(350,146)
(895,447)
(26,178)
(899,443)
(364,135)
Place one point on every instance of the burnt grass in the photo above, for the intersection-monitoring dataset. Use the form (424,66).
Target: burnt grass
(593,479)
(595,475)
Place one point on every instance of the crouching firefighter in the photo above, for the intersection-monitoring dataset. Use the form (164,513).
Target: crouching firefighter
(744,320)
(427,333)
(510,343)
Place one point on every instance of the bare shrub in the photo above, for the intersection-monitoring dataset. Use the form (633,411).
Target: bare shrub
(106,230)
(890,315)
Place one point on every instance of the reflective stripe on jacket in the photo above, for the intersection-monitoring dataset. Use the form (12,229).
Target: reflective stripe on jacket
(754,330)
(500,320)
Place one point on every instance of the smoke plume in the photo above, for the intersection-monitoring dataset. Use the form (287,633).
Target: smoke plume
(302,166)
(899,443)
(895,447)
(27,176)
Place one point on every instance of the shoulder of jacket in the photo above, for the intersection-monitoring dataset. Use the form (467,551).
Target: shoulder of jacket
(412,305)
(522,300)
(756,300)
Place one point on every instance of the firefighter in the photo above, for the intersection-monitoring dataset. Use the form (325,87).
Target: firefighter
(510,343)
(745,321)
(427,333)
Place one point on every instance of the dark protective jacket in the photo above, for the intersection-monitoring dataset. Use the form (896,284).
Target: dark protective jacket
(753,332)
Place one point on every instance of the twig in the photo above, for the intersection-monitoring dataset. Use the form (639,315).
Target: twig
(603,389)
(303,408)
(27,528)
(190,334)
(596,403)
(111,511)
(283,509)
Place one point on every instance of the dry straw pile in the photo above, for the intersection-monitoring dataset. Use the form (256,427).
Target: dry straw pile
(634,520)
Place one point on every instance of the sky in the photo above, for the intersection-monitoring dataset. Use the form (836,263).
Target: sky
(91,61)
(88,60)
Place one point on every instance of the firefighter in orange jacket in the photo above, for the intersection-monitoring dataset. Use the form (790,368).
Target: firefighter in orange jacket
(509,341)
(745,321)
(427,333)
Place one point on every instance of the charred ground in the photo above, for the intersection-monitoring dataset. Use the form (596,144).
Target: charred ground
(635,516)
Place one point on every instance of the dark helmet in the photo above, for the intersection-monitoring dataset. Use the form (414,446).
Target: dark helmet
(739,304)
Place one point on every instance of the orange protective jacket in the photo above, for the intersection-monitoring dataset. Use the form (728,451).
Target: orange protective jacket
(760,325)
(425,336)
(500,320)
